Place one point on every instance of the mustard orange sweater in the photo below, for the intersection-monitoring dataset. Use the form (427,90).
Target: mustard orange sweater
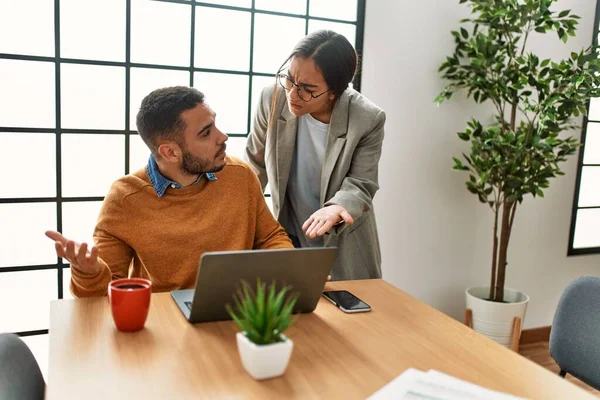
(161,239)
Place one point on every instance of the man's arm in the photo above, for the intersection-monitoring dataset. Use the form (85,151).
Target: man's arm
(93,269)
(90,274)
(115,256)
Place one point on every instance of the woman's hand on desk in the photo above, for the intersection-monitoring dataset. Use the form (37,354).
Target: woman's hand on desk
(324,219)
(78,255)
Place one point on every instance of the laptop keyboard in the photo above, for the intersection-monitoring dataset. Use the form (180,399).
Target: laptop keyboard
(188,304)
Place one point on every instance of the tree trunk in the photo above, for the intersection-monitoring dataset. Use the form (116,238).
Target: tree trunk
(502,256)
(494,253)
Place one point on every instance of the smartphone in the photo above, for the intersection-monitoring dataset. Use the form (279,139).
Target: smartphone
(346,301)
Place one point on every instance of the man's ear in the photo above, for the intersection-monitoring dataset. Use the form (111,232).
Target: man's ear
(170,152)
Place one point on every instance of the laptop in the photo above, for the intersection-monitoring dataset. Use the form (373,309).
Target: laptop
(220,274)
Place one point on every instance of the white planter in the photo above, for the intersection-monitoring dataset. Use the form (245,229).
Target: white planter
(495,320)
(264,361)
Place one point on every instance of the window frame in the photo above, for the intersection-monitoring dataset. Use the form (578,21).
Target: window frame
(58,131)
(572,250)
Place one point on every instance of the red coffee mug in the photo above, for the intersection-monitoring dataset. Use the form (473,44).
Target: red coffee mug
(130,301)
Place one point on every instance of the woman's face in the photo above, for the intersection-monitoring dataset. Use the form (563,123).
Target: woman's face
(306,82)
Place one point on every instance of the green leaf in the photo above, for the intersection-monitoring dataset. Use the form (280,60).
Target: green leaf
(260,305)
(244,314)
(278,302)
(564,13)
(248,298)
(288,308)
(457,163)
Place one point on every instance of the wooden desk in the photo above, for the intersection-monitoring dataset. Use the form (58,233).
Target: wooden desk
(336,355)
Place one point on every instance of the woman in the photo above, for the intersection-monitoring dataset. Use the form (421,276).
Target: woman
(318,143)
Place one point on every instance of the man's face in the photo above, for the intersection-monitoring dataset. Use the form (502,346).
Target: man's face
(204,145)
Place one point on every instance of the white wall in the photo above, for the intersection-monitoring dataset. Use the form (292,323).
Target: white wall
(436,237)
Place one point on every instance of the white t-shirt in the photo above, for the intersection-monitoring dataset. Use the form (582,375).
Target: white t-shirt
(303,192)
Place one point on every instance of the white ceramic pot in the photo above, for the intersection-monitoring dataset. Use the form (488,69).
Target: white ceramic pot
(493,319)
(264,361)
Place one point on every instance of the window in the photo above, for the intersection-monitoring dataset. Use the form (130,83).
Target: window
(584,237)
(73,74)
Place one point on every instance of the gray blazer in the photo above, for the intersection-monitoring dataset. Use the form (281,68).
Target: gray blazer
(349,176)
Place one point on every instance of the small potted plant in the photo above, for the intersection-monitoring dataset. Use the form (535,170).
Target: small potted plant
(263,316)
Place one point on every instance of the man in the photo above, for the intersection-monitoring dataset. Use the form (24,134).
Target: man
(191,198)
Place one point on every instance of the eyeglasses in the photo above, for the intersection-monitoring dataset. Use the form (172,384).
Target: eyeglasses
(288,83)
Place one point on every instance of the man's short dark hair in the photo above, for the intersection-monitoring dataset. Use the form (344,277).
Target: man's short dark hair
(160,114)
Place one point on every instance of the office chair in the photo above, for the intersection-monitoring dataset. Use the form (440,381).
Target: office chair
(575,333)
(20,375)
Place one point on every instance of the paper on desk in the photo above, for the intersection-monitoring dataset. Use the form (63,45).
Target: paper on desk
(413,384)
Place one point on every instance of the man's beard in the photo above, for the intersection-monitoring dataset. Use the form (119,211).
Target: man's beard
(193,165)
